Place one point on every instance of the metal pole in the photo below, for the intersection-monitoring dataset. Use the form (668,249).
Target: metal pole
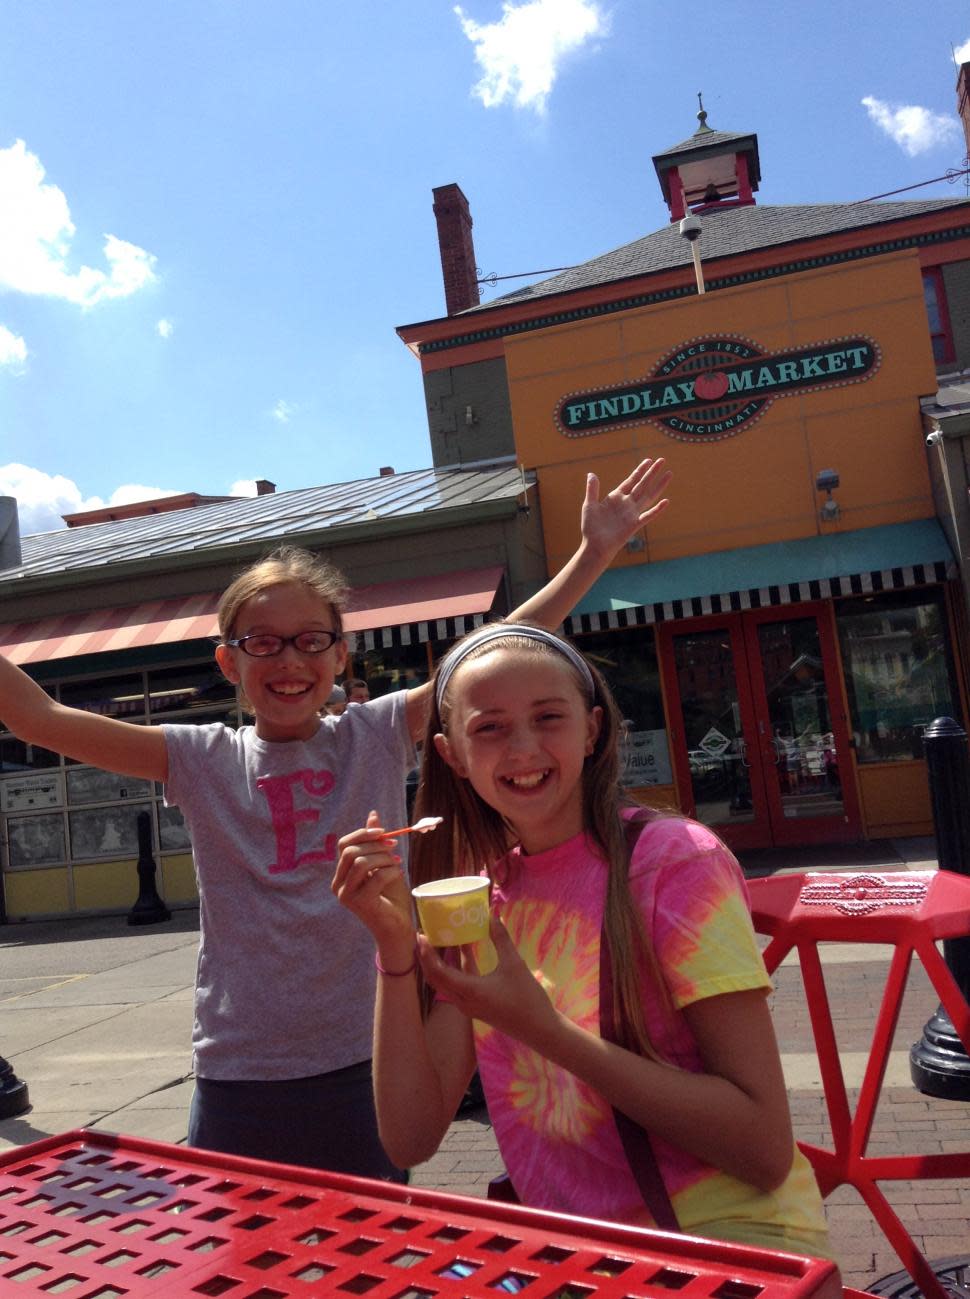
(149,909)
(938,1063)
(695,253)
(14,1098)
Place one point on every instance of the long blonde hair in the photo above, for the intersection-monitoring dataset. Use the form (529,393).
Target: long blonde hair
(476,837)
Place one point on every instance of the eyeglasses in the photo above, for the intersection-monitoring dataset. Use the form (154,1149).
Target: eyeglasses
(263,645)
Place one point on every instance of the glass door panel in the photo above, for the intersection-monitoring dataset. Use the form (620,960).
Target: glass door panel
(717,753)
(802,756)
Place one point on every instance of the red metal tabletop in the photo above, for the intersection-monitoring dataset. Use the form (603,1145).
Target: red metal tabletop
(98,1216)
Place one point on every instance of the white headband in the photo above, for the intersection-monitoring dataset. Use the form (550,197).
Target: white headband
(505,631)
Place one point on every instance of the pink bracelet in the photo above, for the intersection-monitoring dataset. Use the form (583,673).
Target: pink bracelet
(396,974)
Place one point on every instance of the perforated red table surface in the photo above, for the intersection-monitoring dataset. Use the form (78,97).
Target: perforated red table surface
(98,1216)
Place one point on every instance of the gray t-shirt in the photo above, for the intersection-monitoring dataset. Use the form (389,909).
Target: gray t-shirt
(285,982)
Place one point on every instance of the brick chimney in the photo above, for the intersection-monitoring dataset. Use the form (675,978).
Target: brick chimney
(457,250)
(264,487)
(963,101)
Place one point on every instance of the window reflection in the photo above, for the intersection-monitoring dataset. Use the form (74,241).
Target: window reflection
(628,660)
(897,672)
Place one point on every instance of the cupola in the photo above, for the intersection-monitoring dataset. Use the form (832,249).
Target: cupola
(710,169)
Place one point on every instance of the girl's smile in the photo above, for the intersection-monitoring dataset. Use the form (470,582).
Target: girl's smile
(287,690)
(520,731)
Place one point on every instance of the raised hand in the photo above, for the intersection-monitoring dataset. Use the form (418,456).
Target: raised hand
(610,522)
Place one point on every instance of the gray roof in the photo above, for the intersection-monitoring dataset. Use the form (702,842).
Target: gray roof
(952,399)
(274,518)
(705,140)
(726,232)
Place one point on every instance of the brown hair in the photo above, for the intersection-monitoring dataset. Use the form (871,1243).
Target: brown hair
(285,564)
(476,837)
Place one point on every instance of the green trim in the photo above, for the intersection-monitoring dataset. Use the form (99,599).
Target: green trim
(776,563)
(687,290)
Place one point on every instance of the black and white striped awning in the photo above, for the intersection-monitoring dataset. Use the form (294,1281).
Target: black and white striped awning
(419,633)
(617,591)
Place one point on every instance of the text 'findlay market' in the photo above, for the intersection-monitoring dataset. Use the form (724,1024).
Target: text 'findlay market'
(687,380)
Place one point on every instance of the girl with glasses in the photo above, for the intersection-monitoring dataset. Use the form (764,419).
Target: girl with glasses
(285,990)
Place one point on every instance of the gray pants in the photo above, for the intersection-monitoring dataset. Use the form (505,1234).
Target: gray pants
(327,1122)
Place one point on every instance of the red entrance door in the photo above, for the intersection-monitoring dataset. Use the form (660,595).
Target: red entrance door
(758,730)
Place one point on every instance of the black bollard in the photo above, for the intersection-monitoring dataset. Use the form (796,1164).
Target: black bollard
(14,1099)
(938,1063)
(149,909)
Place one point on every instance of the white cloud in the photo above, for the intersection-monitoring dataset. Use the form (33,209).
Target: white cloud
(915,129)
(283,411)
(36,231)
(42,498)
(522,53)
(243,487)
(13,351)
(132,492)
(165,328)
(962,53)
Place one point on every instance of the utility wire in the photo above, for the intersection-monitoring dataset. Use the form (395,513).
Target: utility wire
(952,175)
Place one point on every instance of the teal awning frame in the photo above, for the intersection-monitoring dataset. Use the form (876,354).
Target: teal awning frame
(860,562)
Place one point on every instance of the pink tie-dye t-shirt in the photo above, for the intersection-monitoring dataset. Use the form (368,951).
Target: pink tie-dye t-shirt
(556,1134)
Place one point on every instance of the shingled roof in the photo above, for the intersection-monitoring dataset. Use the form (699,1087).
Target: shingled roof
(727,232)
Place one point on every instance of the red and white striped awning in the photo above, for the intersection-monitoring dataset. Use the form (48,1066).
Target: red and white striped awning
(73,634)
(405,612)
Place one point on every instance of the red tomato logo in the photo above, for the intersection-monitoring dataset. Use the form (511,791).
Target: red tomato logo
(711,385)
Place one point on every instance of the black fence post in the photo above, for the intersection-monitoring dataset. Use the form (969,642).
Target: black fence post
(14,1099)
(938,1064)
(149,908)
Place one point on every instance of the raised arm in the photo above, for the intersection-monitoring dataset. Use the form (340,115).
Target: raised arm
(606,524)
(104,742)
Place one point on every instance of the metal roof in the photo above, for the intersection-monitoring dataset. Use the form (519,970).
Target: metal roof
(726,232)
(273,518)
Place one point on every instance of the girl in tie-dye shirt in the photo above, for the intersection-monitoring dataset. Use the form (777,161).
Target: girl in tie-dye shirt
(522,752)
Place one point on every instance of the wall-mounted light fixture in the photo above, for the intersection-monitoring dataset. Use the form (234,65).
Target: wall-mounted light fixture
(826,480)
(470,416)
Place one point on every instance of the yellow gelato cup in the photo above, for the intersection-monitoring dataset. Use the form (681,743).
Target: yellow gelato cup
(454,913)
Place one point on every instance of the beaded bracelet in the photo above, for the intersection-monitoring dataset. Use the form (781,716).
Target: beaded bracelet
(396,974)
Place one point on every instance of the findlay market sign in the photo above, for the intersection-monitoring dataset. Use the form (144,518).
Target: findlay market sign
(710,388)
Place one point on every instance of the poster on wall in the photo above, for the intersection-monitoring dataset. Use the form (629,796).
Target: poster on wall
(30,792)
(645,759)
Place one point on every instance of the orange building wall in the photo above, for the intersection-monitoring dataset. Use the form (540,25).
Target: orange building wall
(757,486)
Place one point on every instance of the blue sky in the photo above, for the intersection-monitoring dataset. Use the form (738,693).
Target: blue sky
(213,213)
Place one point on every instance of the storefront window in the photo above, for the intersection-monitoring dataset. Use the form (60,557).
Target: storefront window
(897,671)
(399,667)
(106,831)
(628,661)
(35,840)
(196,686)
(117,696)
(59,811)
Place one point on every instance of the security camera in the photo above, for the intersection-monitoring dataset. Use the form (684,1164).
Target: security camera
(690,227)
(933,438)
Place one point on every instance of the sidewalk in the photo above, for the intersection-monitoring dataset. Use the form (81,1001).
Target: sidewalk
(96,1018)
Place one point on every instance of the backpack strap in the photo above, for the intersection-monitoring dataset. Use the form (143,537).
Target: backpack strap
(636,1141)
